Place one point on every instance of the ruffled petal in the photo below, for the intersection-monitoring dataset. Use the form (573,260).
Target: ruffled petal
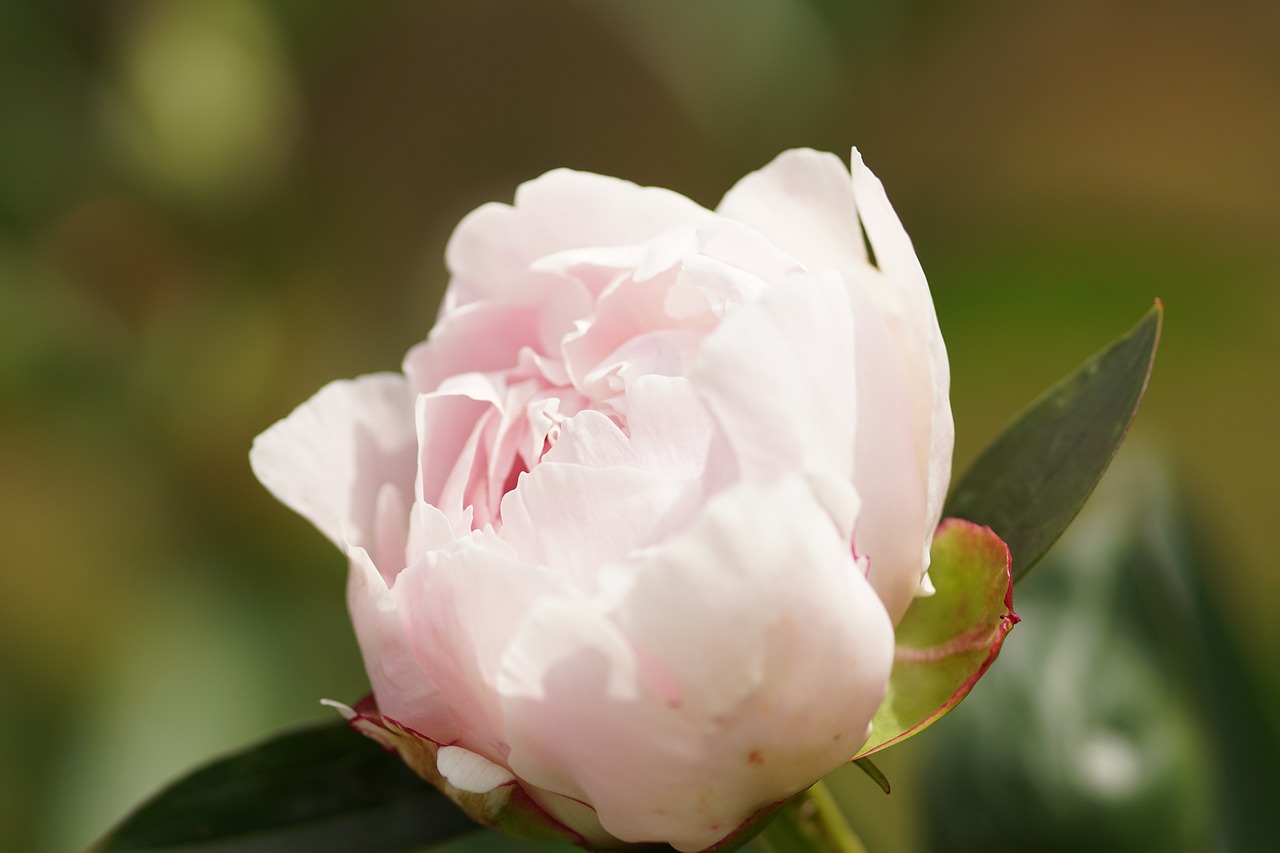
(574,519)
(490,336)
(329,459)
(493,246)
(669,432)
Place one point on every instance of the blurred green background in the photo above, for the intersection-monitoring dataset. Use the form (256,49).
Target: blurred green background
(209,208)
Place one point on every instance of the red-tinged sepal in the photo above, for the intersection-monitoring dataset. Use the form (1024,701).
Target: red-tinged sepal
(499,802)
(946,641)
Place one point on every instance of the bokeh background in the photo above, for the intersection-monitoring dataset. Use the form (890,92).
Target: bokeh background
(209,208)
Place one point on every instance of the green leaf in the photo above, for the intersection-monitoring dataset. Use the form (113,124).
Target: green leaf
(1033,479)
(945,642)
(866,765)
(322,789)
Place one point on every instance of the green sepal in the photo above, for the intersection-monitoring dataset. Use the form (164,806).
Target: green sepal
(866,765)
(946,641)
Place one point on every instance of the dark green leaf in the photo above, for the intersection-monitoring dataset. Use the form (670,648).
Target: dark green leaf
(866,765)
(324,789)
(1033,479)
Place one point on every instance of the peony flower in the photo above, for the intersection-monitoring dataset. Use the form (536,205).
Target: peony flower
(629,537)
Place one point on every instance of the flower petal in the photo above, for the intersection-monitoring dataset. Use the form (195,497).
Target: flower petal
(573,519)
(459,608)
(777,376)
(491,248)
(469,772)
(669,432)
(903,297)
(886,468)
(330,457)
(803,202)
(404,692)
(715,651)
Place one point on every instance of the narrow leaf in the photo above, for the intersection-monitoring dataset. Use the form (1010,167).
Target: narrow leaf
(866,765)
(946,642)
(1033,479)
(323,789)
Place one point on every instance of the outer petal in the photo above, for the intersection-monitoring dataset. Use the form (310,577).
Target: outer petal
(804,204)
(886,469)
(903,297)
(403,690)
(700,684)
(561,210)
(329,459)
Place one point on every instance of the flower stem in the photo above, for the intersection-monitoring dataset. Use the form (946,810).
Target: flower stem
(811,823)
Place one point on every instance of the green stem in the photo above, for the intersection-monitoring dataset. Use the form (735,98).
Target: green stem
(811,823)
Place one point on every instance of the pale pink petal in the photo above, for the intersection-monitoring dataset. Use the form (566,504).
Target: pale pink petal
(669,432)
(489,336)
(777,376)
(716,652)
(665,352)
(331,456)
(598,267)
(391,532)
(448,425)
(460,607)
(573,519)
(492,247)
(903,295)
(803,203)
(739,246)
(626,312)
(706,285)
(403,691)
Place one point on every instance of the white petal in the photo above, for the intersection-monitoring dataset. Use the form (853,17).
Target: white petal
(891,525)
(903,297)
(470,772)
(803,203)
(331,456)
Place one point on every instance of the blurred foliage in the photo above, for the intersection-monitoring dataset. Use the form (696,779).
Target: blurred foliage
(1121,720)
(208,208)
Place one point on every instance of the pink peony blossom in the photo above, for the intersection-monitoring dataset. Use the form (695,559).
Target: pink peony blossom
(633,529)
